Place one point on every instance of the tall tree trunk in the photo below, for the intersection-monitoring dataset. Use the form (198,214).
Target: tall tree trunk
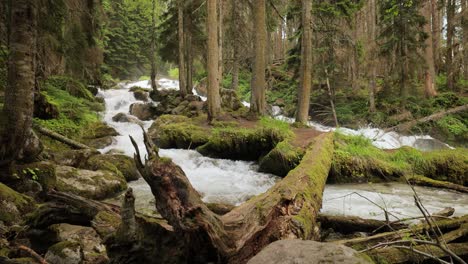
(258,97)
(181,36)
(436,34)
(450,41)
(372,21)
(153,48)
(220,39)
(19,93)
(214,101)
(429,74)
(464,24)
(305,84)
(235,44)
(188,53)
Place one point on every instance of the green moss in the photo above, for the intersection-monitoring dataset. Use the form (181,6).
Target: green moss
(42,172)
(106,223)
(173,131)
(357,160)
(13,204)
(58,249)
(283,158)
(121,165)
(444,165)
(75,113)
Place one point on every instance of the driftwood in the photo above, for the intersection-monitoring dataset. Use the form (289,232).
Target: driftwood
(70,142)
(353,224)
(423,181)
(33,254)
(406,126)
(288,210)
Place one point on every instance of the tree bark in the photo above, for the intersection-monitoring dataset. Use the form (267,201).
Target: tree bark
(188,53)
(288,210)
(154,86)
(220,40)
(214,101)
(19,93)
(436,33)
(181,37)
(305,84)
(258,97)
(429,74)
(235,44)
(450,40)
(464,25)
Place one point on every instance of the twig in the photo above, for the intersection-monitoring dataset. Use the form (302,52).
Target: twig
(33,254)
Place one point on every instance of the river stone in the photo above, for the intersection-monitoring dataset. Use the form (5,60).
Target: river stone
(92,248)
(142,111)
(115,163)
(141,95)
(296,251)
(124,118)
(73,158)
(65,252)
(230,99)
(95,185)
(13,205)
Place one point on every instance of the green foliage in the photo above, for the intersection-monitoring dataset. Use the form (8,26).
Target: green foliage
(453,126)
(174,73)
(75,113)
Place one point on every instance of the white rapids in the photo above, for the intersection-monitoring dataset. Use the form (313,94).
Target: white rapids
(233,182)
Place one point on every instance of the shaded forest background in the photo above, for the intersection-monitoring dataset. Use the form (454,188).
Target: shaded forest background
(386,62)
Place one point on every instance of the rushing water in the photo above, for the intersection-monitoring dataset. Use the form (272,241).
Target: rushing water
(233,182)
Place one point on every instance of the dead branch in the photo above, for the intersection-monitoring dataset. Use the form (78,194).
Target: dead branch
(33,254)
(406,126)
(70,142)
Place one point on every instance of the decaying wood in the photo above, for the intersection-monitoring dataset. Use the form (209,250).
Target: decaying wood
(444,226)
(67,208)
(70,142)
(406,126)
(33,254)
(353,224)
(127,229)
(288,210)
(423,181)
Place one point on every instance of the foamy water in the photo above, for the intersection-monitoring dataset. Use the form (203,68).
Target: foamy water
(233,182)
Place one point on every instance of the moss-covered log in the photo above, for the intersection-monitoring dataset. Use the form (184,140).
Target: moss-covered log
(424,181)
(353,224)
(287,210)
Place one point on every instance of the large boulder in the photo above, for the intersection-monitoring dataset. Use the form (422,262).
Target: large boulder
(296,251)
(42,172)
(97,185)
(141,95)
(144,112)
(124,118)
(100,136)
(73,158)
(13,205)
(90,244)
(120,164)
(66,252)
(32,148)
(173,131)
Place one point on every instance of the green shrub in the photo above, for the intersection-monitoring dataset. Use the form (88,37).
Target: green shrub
(173,73)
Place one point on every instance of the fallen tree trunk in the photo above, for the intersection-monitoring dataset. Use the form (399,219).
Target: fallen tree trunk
(288,210)
(353,224)
(406,126)
(424,181)
(70,142)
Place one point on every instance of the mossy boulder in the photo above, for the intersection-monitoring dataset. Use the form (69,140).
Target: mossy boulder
(144,111)
(42,172)
(73,158)
(282,159)
(230,100)
(66,252)
(91,245)
(13,205)
(119,164)
(96,185)
(239,143)
(124,118)
(141,95)
(174,131)
(99,135)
